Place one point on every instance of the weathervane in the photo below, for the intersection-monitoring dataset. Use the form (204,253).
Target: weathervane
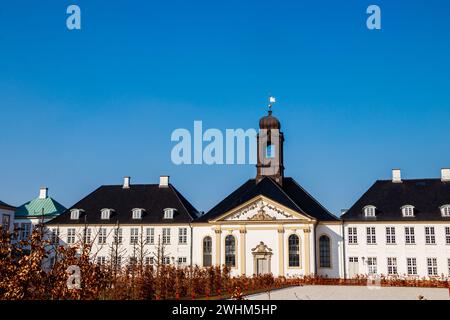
(271,102)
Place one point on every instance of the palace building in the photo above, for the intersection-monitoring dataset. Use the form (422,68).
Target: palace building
(269,224)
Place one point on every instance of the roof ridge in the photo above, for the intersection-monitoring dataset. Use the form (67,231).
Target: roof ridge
(182,202)
(290,199)
(313,198)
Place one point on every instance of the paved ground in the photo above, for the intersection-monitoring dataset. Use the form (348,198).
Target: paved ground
(352,293)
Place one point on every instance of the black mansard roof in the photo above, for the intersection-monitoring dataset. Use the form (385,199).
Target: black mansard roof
(6,206)
(426,195)
(150,197)
(290,194)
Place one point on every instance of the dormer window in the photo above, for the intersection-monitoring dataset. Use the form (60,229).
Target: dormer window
(408,211)
(106,214)
(137,213)
(168,213)
(445,210)
(75,214)
(369,211)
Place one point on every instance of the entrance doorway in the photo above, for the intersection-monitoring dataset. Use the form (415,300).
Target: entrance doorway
(353,267)
(262,256)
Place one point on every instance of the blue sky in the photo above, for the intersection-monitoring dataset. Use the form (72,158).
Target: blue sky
(85,108)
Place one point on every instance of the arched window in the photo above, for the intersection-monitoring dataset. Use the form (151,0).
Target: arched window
(207,251)
(230,251)
(324,252)
(294,251)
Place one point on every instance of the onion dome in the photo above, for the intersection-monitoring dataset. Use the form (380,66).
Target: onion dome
(269,122)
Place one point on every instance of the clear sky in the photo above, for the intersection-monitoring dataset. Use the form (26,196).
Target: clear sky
(84,108)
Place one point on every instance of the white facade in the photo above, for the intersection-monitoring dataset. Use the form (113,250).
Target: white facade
(401,247)
(261,230)
(133,241)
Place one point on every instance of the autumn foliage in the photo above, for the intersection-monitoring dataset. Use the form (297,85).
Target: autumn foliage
(27,272)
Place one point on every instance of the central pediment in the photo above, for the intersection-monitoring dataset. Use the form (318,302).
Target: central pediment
(261,209)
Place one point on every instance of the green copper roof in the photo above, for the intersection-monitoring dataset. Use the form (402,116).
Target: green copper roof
(39,207)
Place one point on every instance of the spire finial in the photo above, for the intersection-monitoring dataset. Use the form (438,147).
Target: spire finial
(272,100)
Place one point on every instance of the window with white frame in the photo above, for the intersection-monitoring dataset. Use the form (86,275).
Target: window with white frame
(25,230)
(372,265)
(71,235)
(448,265)
(352,235)
(432,267)
(101,260)
(445,210)
(182,260)
(408,211)
(54,236)
(166,235)
(134,235)
(106,213)
(6,222)
(87,232)
(411,264)
(75,214)
(447,235)
(149,261)
(390,235)
(430,237)
(410,237)
(371,237)
(168,213)
(369,211)
(118,235)
(150,236)
(102,236)
(392,266)
(137,213)
(117,261)
(166,260)
(182,235)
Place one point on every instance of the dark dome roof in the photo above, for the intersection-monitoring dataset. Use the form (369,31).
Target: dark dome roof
(269,122)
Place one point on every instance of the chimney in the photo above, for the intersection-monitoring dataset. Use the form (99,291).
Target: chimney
(445,175)
(43,193)
(126,183)
(396,176)
(163,181)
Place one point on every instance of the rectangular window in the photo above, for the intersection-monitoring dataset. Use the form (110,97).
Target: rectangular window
(26,229)
(352,235)
(101,260)
(166,260)
(182,236)
(371,237)
(87,235)
(448,265)
(447,235)
(117,261)
(411,264)
(392,266)
(150,236)
(134,235)
(102,236)
(54,236)
(149,261)
(432,267)
(410,237)
(118,236)
(182,260)
(166,236)
(372,265)
(6,221)
(390,235)
(430,237)
(71,235)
